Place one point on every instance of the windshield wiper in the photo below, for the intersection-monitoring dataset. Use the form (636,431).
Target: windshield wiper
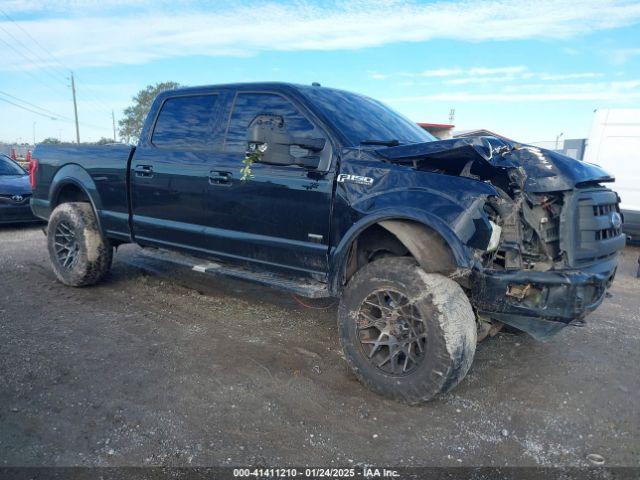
(386,143)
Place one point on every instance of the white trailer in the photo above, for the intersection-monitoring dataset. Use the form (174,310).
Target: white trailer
(614,144)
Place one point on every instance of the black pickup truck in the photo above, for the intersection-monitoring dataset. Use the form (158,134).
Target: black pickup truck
(430,245)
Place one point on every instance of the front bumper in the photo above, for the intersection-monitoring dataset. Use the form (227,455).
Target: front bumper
(16,213)
(541,303)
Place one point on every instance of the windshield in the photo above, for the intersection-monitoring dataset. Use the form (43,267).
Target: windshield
(9,167)
(362,119)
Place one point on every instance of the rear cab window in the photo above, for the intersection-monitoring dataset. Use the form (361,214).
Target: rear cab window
(187,122)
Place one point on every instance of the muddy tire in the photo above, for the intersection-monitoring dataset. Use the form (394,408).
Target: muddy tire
(407,334)
(79,254)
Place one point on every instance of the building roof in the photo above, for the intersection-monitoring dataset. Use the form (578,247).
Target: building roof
(435,125)
(479,132)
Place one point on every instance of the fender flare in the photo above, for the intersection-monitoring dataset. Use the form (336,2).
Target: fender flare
(427,226)
(73,174)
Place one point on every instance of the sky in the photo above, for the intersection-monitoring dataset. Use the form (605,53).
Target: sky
(529,70)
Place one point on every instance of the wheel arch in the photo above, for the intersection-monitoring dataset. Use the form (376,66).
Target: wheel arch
(428,239)
(425,244)
(72,183)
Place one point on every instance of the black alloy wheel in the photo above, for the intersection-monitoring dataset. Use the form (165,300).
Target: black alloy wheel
(392,332)
(66,245)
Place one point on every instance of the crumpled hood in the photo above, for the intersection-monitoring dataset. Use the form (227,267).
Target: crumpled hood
(545,170)
(14,185)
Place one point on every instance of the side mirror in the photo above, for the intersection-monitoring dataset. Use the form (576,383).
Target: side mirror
(313,144)
(304,156)
(269,142)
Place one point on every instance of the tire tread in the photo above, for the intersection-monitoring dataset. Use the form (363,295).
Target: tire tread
(96,251)
(456,330)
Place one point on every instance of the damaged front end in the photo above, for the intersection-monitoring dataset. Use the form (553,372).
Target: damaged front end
(556,229)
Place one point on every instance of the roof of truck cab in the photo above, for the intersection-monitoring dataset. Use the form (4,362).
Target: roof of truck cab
(282,86)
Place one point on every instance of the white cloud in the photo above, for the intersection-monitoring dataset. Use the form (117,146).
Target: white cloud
(439,72)
(616,91)
(483,75)
(623,55)
(480,80)
(524,75)
(109,32)
(568,76)
(452,72)
(571,51)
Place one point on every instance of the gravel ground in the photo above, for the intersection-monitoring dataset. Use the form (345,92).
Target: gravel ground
(159,365)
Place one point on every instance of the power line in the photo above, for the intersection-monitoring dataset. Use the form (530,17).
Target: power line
(30,60)
(97,100)
(48,70)
(106,110)
(45,65)
(92,104)
(57,94)
(54,116)
(33,39)
(49,112)
(48,52)
(28,109)
(32,75)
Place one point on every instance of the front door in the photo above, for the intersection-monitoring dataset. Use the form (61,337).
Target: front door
(280,215)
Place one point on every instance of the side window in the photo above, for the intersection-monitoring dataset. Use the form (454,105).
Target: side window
(248,106)
(185,122)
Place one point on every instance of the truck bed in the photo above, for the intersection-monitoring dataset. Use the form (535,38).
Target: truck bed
(100,169)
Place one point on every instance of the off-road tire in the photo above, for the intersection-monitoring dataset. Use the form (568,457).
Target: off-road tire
(449,324)
(94,253)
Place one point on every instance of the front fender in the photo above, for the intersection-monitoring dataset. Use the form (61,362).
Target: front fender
(459,211)
(451,206)
(338,257)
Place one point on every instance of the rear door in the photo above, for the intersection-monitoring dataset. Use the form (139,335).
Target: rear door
(280,216)
(170,173)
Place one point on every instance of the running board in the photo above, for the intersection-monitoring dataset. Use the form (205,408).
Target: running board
(305,287)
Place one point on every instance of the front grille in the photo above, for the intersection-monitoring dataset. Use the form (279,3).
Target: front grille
(597,234)
(10,199)
(603,209)
(607,233)
(606,211)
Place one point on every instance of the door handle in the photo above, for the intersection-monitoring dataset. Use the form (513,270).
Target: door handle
(220,178)
(144,171)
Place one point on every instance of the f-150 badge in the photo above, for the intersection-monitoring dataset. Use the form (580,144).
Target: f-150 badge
(345,177)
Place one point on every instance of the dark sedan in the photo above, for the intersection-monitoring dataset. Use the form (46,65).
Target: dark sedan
(15,193)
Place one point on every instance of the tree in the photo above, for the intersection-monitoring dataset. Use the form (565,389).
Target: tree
(134,116)
(104,141)
(51,141)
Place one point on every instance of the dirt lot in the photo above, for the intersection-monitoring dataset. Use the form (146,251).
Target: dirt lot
(165,366)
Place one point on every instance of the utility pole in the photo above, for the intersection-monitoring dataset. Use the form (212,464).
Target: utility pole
(34,133)
(452,116)
(113,119)
(75,107)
